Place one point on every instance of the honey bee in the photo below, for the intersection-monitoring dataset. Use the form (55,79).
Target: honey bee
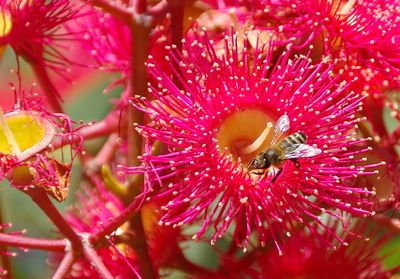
(291,148)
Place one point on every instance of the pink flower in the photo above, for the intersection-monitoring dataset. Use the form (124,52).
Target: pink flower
(358,254)
(210,127)
(364,34)
(106,38)
(29,134)
(243,17)
(34,30)
(306,257)
(109,40)
(95,207)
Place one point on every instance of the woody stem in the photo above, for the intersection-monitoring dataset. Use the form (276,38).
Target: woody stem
(5,261)
(52,95)
(138,83)
(40,197)
(32,243)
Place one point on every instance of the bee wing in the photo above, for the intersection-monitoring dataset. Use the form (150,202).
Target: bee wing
(281,126)
(300,151)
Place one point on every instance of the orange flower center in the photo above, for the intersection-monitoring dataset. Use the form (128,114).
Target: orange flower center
(245,134)
(24,133)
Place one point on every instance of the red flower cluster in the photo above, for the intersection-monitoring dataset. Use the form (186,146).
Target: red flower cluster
(258,126)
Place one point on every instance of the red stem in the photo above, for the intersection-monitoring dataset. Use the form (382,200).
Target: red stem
(65,266)
(96,262)
(176,8)
(108,125)
(51,93)
(33,243)
(138,83)
(140,6)
(158,10)
(5,260)
(105,154)
(105,127)
(40,197)
(114,224)
(114,9)
(395,270)
(142,248)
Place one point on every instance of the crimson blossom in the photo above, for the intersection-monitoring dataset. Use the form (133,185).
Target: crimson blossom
(306,257)
(30,137)
(211,126)
(358,256)
(365,35)
(34,30)
(96,206)
(108,39)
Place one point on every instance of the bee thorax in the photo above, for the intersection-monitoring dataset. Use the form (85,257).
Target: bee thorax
(272,156)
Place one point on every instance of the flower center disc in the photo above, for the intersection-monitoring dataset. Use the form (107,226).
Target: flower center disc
(5,23)
(5,27)
(238,133)
(31,132)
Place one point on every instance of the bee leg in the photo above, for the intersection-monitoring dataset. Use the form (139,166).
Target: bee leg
(276,175)
(257,172)
(296,163)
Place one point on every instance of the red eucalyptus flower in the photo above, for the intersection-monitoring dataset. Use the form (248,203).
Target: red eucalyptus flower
(304,256)
(106,38)
(363,33)
(212,125)
(109,40)
(95,207)
(34,30)
(28,156)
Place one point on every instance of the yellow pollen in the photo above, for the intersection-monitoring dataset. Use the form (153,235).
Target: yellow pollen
(258,142)
(24,133)
(346,8)
(9,135)
(5,27)
(245,133)
(5,23)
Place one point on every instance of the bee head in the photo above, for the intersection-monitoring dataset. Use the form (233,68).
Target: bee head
(259,162)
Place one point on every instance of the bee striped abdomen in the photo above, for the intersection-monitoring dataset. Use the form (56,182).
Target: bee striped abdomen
(296,138)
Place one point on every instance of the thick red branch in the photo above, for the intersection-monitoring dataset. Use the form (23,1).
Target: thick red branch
(5,260)
(65,266)
(50,91)
(138,85)
(114,224)
(40,197)
(158,10)
(114,9)
(33,243)
(96,262)
(140,6)
(176,9)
